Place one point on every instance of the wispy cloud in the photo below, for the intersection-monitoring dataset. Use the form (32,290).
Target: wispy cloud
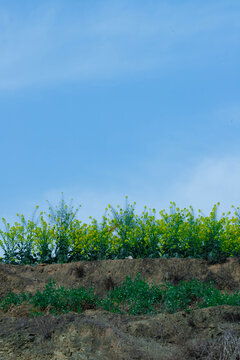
(212,180)
(59,42)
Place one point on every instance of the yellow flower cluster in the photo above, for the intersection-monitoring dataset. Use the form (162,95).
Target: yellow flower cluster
(123,234)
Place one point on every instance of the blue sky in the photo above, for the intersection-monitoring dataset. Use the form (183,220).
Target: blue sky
(102,99)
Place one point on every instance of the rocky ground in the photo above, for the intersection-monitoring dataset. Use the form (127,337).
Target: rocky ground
(210,333)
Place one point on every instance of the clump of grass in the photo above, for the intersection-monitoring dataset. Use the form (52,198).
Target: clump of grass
(133,297)
(15,299)
(63,300)
(187,294)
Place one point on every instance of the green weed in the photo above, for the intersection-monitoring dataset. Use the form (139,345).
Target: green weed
(63,300)
(135,296)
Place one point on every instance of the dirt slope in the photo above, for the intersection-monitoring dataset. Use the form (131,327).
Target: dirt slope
(96,334)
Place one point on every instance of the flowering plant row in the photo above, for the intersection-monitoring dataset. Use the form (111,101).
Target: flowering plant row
(60,237)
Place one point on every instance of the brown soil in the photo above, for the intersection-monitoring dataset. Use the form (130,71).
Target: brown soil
(211,333)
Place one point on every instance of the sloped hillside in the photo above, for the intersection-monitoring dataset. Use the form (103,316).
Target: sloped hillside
(99,334)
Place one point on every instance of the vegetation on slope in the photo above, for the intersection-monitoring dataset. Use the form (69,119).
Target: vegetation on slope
(132,297)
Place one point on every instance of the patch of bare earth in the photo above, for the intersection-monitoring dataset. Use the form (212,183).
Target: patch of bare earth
(210,333)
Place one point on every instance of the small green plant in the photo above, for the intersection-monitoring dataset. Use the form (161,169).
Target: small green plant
(17,241)
(185,294)
(9,243)
(62,218)
(212,230)
(124,222)
(133,296)
(63,300)
(13,298)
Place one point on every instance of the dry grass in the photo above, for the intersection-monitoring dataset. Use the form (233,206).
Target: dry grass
(225,347)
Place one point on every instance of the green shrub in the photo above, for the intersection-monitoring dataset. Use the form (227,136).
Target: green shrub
(137,296)
(63,300)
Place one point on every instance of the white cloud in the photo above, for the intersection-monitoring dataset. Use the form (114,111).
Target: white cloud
(212,180)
